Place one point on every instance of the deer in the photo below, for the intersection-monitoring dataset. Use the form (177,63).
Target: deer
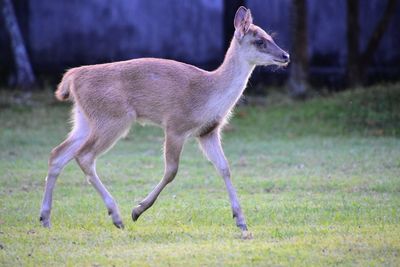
(185,101)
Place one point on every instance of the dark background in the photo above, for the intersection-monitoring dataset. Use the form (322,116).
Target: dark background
(63,34)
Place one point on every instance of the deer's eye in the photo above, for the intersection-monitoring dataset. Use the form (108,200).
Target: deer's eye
(259,42)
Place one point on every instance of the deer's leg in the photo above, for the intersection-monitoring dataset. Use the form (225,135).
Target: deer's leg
(211,146)
(172,150)
(59,157)
(98,142)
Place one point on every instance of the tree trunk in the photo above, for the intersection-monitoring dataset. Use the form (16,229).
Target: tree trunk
(353,36)
(376,37)
(230,8)
(358,64)
(299,53)
(24,74)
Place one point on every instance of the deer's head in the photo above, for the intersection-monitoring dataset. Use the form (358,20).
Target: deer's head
(257,47)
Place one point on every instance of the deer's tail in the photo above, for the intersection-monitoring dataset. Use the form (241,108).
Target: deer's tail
(63,92)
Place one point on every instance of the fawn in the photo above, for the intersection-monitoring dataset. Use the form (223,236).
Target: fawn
(184,100)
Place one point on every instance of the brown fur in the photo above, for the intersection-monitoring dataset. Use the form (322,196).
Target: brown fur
(165,92)
(184,100)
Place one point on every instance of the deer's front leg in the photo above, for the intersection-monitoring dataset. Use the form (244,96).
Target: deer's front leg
(172,150)
(211,145)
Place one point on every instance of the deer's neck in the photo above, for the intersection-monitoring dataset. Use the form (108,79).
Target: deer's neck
(234,70)
(230,80)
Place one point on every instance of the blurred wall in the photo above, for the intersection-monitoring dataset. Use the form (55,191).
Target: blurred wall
(61,34)
(327,35)
(85,32)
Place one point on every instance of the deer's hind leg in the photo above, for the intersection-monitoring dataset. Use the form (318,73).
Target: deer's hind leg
(100,140)
(59,157)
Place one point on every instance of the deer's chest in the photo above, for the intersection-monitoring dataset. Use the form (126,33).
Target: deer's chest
(222,101)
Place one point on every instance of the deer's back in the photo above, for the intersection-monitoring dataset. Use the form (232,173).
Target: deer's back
(158,90)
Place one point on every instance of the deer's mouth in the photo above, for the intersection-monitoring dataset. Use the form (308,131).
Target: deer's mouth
(281,62)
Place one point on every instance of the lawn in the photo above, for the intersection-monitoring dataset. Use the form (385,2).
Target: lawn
(319,183)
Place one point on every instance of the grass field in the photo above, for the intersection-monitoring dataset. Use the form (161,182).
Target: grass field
(319,183)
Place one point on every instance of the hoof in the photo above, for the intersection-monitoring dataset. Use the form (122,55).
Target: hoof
(242,227)
(119,225)
(116,218)
(45,222)
(136,213)
(246,235)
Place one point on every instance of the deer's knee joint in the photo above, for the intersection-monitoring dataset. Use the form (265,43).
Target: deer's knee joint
(53,157)
(53,154)
(55,164)
(171,173)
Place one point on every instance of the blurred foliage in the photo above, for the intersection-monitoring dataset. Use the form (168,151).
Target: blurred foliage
(366,111)
(371,111)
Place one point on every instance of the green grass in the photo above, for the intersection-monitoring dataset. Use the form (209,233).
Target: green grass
(319,183)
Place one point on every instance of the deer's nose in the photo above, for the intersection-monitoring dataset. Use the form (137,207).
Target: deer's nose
(285,57)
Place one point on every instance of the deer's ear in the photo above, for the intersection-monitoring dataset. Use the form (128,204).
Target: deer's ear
(242,22)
